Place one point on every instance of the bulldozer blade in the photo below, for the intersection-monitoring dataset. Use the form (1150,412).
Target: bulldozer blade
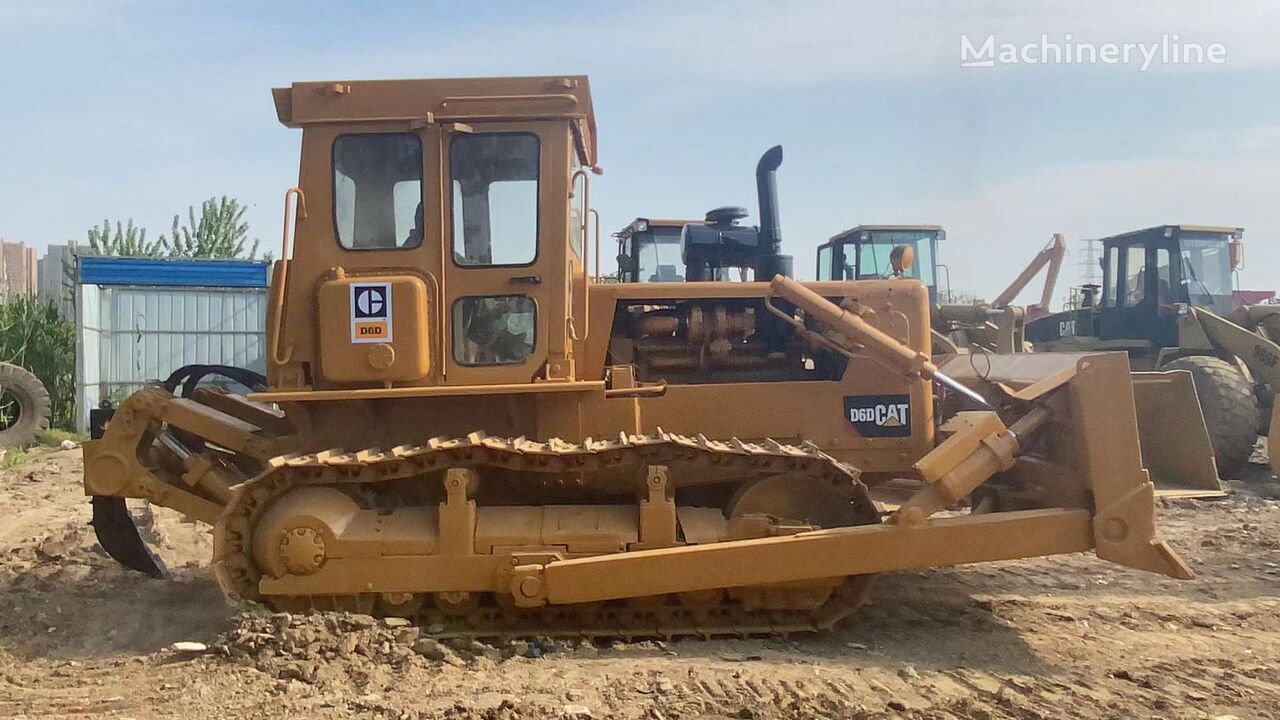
(1175,443)
(119,536)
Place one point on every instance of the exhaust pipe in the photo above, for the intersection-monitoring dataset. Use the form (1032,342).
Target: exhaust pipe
(772,262)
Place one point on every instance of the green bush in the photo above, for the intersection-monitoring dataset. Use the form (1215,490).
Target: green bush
(34,336)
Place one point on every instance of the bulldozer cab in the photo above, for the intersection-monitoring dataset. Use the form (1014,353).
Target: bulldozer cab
(430,244)
(649,250)
(1150,276)
(864,253)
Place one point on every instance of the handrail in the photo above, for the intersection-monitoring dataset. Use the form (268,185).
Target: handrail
(596,275)
(586,291)
(300,211)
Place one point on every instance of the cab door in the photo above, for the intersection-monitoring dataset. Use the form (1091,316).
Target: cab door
(504,269)
(1131,291)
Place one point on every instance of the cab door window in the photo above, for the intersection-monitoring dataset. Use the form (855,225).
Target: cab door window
(1135,270)
(1111,266)
(494,329)
(1164,286)
(824,262)
(377,190)
(495,198)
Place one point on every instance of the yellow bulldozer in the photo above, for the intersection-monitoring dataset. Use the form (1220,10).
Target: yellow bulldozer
(459,426)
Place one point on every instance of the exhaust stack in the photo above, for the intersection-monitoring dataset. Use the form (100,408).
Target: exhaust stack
(711,248)
(772,262)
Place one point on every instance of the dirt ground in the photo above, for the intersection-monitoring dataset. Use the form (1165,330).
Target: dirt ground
(1067,637)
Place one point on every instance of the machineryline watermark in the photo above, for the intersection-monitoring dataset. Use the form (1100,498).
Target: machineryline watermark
(1171,49)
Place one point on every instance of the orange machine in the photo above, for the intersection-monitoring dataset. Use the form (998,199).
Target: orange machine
(458,425)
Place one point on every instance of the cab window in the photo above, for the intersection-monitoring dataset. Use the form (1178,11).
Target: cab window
(377,190)
(1112,269)
(495,198)
(1164,285)
(874,255)
(494,329)
(1135,270)
(824,262)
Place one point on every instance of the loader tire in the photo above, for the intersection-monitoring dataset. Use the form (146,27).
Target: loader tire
(1229,407)
(24,406)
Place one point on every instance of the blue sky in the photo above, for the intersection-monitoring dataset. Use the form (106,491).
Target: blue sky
(118,109)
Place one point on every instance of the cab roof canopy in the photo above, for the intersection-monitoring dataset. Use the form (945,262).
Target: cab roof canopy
(847,234)
(634,225)
(1234,232)
(443,100)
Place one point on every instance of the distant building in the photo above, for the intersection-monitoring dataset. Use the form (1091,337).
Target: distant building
(57,274)
(18,273)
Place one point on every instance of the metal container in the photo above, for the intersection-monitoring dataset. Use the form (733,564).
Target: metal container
(139,319)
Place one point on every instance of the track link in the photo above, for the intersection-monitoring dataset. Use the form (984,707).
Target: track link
(601,465)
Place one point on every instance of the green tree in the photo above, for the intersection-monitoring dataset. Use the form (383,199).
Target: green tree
(126,241)
(219,232)
(34,336)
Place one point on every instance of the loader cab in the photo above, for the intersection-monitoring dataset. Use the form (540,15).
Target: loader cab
(649,250)
(1150,276)
(864,253)
(440,231)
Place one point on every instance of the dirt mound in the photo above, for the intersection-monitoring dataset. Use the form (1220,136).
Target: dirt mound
(306,647)
(1057,637)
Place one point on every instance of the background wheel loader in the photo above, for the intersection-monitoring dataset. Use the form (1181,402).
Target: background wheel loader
(865,253)
(649,250)
(1165,299)
(460,427)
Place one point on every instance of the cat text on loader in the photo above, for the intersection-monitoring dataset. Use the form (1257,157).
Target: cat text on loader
(459,427)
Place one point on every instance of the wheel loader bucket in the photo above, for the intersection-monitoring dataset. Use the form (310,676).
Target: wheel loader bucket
(1175,443)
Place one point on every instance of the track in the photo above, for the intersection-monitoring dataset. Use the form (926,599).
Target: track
(594,469)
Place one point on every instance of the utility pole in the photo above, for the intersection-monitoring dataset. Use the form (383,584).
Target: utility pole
(1090,271)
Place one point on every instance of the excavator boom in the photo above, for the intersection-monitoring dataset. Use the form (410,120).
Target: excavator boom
(1050,257)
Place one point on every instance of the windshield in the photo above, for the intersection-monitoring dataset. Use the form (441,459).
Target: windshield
(1206,267)
(873,256)
(658,257)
